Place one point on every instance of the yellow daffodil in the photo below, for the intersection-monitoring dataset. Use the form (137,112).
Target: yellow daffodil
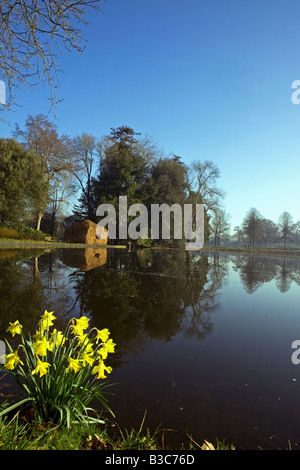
(41,368)
(81,324)
(38,335)
(41,347)
(82,338)
(15,328)
(47,320)
(100,369)
(73,365)
(76,330)
(87,358)
(108,347)
(58,338)
(48,315)
(12,360)
(102,335)
(89,348)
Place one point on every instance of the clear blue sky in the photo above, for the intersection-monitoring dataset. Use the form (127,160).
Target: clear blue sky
(205,79)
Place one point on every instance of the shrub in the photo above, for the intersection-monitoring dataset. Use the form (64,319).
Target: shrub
(6,232)
(60,372)
(29,233)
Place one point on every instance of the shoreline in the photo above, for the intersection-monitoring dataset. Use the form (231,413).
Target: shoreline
(282,251)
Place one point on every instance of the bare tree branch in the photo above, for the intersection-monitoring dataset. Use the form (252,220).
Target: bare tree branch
(33,33)
(203,176)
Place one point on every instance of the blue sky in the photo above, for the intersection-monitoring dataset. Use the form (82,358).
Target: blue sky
(206,80)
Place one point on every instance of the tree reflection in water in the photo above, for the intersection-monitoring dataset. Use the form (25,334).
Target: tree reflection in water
(140,296)
(164,299)
(150,295)
(256,270)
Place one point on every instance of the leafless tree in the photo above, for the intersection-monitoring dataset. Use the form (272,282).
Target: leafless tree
(33,34)
(285,224)
(85,148)
(203,176)
(220,225)
(297,233)
(238,235)
(55,154)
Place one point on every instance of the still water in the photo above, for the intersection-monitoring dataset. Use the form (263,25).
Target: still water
(203,339)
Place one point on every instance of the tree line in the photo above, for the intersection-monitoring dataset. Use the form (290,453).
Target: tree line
(45,175)
(256,230)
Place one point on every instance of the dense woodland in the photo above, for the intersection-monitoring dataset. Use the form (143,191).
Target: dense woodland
(45,177)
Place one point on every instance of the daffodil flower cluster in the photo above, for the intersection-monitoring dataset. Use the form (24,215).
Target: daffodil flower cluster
(84,349)
(59,371)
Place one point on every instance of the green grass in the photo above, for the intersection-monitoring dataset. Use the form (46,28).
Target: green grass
(18,434)
(9,242)
(21,232)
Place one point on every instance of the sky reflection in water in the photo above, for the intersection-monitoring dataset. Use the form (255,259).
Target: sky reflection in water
(203,340)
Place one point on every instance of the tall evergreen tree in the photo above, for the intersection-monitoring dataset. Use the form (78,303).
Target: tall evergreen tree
(130,166)
(125,165)
(22,184)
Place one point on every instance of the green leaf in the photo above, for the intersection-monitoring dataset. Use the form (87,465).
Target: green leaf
(14,406)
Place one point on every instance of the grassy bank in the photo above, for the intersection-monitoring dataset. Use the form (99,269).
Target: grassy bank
(276,250)
(11,243)
(17,434)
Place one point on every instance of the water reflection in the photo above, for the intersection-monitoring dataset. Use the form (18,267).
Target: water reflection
(140,295)
(148,295)
(85,260)
(256,270)
(21,290)
(182,310)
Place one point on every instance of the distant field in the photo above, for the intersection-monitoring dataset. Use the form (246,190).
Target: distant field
(295,250)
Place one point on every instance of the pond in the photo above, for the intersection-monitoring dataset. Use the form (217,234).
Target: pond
(203,339)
